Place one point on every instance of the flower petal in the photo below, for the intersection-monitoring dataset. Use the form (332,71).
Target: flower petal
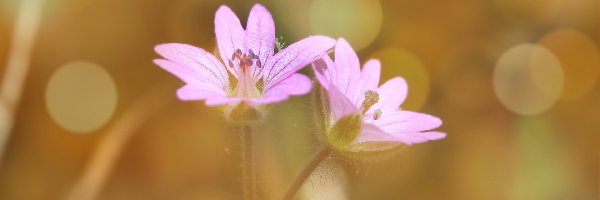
(340,105)
(368,80)
(391,95)
(406,122)
(371,133)
(348,66)
(267,100)
(230,35)
(222,101)
(419,137)
(323,69)
(197,92)
(192,64)
(260,35)
(296,84)
(370,74)
(182,72)
(293,58)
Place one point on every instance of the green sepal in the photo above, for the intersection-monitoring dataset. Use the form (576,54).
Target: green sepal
(244,114)
(344,131)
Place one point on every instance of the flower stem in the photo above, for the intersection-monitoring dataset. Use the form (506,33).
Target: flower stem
(248,176)
(319,111)
(306,172)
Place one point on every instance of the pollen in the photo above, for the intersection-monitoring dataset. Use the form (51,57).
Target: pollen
(371,98)
(377,114)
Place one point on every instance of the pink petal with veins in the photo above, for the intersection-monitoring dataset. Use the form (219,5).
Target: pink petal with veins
(260,35)
(199,92)
(368,80)
(406,122)
(291,59)
(370,133)
(230,35)
(296,84)
(340,106)
(324,72)
(391,95)
(348,67)
(419,137)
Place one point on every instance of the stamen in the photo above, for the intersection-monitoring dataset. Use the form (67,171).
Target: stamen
(371,98)
(237,54)
(246,86)
(246,63)
(377,114)
(251,54)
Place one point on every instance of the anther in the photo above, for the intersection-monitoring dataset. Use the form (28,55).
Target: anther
(251,54)
(236,54)
(371,98)
(377,114)
(245,60)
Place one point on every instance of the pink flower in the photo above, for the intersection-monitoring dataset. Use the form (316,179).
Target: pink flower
(260,76)
(364,115)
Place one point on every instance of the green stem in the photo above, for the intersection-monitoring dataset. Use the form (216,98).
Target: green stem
(306,172)
(248,175)
(319,111)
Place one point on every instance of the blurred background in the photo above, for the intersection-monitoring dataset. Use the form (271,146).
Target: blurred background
(516,83)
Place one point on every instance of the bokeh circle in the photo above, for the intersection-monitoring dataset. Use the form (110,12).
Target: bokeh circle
(358,21)
(579,57)
(528,79)
(81,96)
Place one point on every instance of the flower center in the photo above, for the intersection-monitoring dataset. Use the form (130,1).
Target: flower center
(371,98)
(242,62)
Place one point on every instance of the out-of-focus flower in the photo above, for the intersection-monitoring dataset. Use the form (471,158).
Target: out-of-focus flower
(259,75)
(364,116)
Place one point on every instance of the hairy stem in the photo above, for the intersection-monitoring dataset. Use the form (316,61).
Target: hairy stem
(319,110)
(306,172)
(248,176)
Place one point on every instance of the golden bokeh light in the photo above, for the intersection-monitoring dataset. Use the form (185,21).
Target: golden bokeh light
(357,21)
(186,24)
(528,79)
(399,62)
(292,26)
(579,57)
(81,96)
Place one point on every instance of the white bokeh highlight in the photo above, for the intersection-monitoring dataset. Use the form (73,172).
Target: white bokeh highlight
(528,79)
(81,96)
